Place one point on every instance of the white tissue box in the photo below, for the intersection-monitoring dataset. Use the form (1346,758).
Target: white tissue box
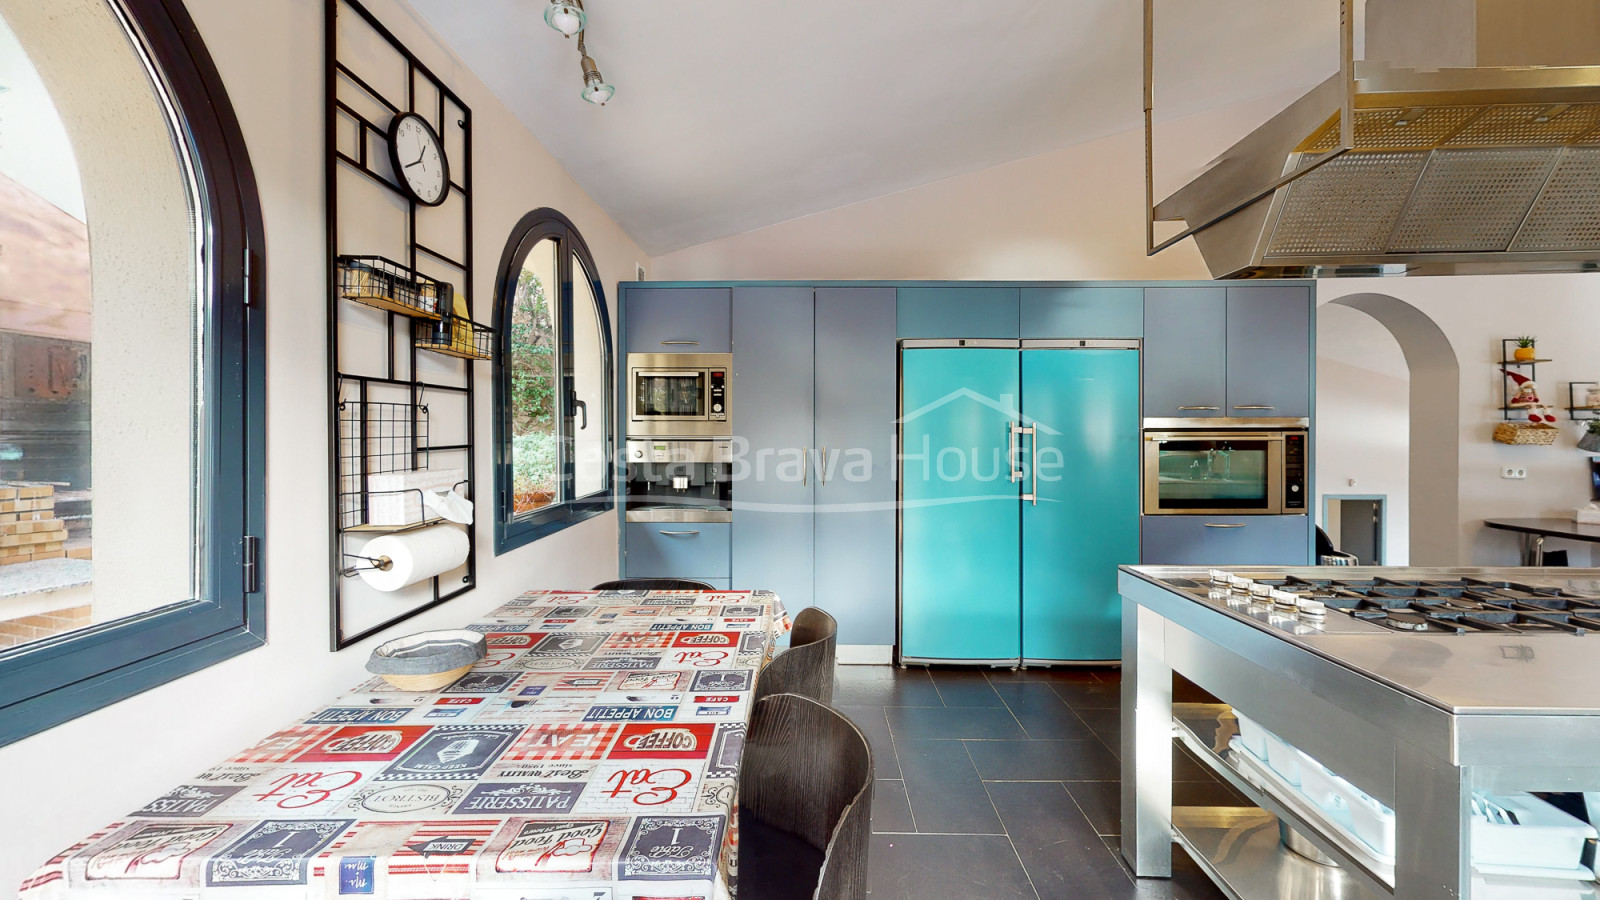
(395,498)
(1587,515)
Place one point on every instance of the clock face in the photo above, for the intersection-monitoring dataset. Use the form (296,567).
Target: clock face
(419,160)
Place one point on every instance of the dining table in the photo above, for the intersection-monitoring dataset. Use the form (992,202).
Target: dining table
(593,754)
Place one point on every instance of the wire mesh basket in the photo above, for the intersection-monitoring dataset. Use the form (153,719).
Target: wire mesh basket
(376,439)
(455,336)
(385,284)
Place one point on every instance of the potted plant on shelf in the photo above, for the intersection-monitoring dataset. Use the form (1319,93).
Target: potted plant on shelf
(1590,441)
(1525,349)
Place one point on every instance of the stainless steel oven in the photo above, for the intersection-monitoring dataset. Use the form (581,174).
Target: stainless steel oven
(679,394)
(1225,472)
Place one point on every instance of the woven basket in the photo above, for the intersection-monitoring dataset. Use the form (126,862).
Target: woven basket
(1525,433)
(431,681)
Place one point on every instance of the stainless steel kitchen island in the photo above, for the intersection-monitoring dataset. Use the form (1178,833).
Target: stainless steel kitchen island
(1417,686)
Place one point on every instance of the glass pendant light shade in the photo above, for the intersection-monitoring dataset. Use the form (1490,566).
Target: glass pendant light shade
(565,16)
(598,92)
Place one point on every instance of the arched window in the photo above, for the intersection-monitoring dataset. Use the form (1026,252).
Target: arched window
(132,361)
(553,437)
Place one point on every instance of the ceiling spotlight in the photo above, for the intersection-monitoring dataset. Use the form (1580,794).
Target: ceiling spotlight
(595,89)
(565,16)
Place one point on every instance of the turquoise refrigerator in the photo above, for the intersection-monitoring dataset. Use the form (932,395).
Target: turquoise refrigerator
(1019,488)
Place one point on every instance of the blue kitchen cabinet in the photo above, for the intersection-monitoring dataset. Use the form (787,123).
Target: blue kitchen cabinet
(961,538)
(1269,351)
(958,312)
(1087,311)
(772,490)
(678,320)
(1185,352)
(1226,540)
(856,371)
(677,549)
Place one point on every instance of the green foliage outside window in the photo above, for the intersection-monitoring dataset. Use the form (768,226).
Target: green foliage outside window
(533,396)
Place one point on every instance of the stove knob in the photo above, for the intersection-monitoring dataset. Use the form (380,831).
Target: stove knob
(638,454)
(717,407)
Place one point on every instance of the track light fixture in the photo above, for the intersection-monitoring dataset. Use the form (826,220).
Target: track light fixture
(595,89)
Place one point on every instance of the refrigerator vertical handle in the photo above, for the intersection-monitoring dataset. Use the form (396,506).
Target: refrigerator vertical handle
(1012,430)
(1033,463)
(1032,432)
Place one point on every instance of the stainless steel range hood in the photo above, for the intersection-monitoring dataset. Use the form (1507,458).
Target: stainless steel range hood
(1451,167)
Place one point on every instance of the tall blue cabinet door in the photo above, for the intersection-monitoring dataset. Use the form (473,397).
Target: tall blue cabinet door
(677,320)
(1085,409)
(772,499)
(960,587)
(1269,351)
(855,521)
(1185,352)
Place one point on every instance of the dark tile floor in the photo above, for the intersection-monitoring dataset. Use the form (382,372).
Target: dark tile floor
(1001,784)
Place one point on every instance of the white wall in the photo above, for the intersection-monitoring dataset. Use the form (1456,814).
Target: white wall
(270,56)
(1475,312)
(1363,415)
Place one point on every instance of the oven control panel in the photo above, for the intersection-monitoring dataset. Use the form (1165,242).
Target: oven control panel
(1294,473)
(718,401)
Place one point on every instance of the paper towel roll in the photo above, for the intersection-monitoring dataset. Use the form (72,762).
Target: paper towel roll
(415,556)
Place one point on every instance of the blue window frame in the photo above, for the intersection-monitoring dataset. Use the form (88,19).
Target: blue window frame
(554,446)
(51,680)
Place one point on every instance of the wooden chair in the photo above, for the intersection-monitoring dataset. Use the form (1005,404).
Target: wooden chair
(806,668)
(805,803)
(653,584)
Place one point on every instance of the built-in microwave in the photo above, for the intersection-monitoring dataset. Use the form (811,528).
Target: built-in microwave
(679,394)
(1225,472)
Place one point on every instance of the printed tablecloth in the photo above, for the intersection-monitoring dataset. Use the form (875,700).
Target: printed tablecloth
(591,756)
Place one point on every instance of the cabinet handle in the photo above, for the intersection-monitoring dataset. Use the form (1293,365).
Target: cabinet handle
(822,477)
(1224,525)
(805,470)
(1252,406)
(679,532)
(1201,407)
(670,343)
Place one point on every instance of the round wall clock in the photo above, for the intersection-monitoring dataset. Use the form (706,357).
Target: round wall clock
(418,157)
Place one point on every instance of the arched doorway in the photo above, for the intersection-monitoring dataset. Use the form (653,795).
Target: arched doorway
(1433,463)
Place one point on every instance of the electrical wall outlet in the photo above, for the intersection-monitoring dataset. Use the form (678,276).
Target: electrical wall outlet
(1514,472)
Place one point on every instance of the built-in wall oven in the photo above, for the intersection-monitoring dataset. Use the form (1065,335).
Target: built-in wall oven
(1213,471)
(679,395)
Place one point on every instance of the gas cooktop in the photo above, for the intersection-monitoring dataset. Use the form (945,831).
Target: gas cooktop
(1448,606)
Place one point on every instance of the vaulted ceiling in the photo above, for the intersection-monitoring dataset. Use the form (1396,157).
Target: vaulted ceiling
(735,114)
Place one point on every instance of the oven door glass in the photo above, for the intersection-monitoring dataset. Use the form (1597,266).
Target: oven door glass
(1213,475)
(669,395)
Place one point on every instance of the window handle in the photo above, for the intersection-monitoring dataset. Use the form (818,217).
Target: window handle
(670,343)
(579,405)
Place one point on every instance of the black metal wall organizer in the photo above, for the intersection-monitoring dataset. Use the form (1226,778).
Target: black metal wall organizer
(400,333)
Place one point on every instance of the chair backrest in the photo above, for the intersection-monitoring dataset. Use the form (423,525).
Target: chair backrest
(653,584)
(806,668)
(807,770)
